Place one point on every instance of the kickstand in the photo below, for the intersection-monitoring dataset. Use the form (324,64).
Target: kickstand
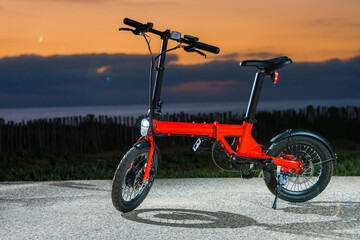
(281,180)
(277,192)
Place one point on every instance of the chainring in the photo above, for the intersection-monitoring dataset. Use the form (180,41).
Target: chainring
(221,160)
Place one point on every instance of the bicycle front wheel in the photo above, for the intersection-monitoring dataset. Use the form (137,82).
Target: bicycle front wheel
(128,191)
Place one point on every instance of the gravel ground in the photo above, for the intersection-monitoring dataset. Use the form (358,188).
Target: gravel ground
(177,209)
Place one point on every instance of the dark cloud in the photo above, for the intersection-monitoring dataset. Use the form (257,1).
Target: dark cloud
(263,54)
(112,79)
(230,56)
(243,56)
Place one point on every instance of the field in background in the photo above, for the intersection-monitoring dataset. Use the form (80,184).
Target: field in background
(46,166)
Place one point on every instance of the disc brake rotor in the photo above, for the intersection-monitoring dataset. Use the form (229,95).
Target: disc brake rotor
(138,185)
(305,159)
(130,176)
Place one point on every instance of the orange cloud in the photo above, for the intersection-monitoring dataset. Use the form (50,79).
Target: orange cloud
(102,69)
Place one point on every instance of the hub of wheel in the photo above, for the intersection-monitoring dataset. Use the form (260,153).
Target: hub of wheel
(130,176)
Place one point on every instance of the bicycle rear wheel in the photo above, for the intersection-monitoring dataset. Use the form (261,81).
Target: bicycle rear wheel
(316,176)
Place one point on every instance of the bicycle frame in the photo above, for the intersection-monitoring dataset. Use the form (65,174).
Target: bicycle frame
(296,152)
(247,149)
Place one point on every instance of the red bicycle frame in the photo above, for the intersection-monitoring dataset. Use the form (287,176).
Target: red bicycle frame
(247,147)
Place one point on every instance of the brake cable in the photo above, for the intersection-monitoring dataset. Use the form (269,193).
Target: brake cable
(148,44)
(190,48)
(169,50)
(153,60)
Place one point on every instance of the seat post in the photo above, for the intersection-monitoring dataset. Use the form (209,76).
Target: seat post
(254,97)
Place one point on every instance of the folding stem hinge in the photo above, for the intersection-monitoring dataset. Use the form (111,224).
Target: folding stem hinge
(159,69)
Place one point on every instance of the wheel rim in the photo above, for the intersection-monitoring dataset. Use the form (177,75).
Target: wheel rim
(308,155)
(132,186)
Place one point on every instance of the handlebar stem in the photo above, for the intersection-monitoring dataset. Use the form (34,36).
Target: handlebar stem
(159,76)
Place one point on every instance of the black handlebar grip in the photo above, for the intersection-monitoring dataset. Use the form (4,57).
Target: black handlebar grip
(132,23)
(207,47)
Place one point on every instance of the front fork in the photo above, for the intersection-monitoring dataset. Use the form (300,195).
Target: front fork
(150,139)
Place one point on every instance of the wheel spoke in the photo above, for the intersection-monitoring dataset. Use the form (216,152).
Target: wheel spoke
(132,191)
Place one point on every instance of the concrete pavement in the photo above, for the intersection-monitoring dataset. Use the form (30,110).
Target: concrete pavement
(225,208)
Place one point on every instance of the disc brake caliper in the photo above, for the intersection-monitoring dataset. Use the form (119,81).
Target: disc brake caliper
(293,158)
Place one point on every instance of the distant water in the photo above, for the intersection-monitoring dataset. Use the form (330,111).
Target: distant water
(20,114)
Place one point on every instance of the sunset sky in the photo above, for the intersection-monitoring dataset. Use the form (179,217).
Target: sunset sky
(84,33)
(307,30)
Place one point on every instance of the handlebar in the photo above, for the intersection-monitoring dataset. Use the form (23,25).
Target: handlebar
(204,46)
(140,27)
(132,23)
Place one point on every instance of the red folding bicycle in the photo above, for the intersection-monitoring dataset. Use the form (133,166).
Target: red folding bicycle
(297,167)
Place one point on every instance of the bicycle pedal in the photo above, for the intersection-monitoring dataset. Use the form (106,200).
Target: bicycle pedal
(197,144)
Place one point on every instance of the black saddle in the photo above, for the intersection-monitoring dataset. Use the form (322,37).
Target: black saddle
(270,65)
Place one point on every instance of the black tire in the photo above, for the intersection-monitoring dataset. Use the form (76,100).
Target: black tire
(301,188)
(128,179)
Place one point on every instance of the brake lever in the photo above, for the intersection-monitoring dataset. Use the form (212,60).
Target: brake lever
(201,53)
(128,29)
(193,49)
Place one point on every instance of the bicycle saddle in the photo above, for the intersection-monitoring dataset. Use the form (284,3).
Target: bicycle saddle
(271,64)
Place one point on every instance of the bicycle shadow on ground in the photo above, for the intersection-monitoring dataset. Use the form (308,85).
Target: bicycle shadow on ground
(342,217)
(67,184)
(189,218)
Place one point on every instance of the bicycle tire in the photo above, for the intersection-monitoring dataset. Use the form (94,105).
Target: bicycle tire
(319,150)
(124,178)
